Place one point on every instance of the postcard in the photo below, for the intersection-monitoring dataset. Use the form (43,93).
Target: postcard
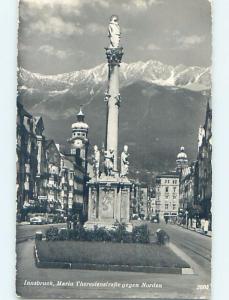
(113,149)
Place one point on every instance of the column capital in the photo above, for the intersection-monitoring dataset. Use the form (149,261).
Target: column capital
(114,55)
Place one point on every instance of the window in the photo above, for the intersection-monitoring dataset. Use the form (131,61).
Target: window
(166,206)
(78,133)
(174,206)
(166,197)
(168,181)
(174,189)
(174,196)
(166,189)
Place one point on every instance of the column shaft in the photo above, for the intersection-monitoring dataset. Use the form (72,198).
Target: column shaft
(113,110)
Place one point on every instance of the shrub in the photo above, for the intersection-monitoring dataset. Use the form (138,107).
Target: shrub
(101,234)
(140,234)
(51,234)
(119,234)
(63,234)
(162,237)
(127,237)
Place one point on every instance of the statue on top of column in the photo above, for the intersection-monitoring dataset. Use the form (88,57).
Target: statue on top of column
(114,32)
(124,162)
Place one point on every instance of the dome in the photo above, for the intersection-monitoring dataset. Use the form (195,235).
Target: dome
(80,125)
(182,154)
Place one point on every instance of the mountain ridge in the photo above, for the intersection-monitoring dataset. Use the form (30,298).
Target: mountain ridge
(193,78)
(157,114)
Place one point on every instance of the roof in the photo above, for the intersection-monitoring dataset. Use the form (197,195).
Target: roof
(68,164)
(80,113)
(172,174)
(80,125)
(182,154)
(22,110)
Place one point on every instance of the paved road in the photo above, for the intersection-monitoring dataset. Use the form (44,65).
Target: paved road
(27,231)
(195,245)
(163,286)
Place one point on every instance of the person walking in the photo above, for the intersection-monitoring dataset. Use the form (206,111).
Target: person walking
(206,224)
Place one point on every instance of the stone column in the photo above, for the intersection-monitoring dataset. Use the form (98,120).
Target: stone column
(114,56)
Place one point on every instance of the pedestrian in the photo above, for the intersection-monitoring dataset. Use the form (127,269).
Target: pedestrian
(206,224)
(202,222)
(69,221)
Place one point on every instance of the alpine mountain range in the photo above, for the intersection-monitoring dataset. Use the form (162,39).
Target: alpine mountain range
(162,108)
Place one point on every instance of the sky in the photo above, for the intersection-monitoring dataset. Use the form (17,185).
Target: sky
(58,36)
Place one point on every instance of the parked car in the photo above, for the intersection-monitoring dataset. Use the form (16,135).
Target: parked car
(154,219)
(135,217)
(38,220)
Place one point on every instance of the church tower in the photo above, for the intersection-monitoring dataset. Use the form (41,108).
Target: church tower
(79,139)
(182,162)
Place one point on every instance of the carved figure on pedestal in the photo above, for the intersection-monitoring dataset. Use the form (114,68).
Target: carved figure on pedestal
(109,162)
(114,32)
(96,161)
(124,162)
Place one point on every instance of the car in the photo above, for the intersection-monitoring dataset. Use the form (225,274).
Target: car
(154,219)
(37,220)
(135,217)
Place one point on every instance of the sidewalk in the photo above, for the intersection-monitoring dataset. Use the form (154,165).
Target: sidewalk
(197,230)
(22,223)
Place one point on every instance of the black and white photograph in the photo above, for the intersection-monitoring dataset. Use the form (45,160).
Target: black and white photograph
(114,149)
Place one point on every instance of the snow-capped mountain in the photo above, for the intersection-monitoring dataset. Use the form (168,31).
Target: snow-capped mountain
(193,78)
(162,107)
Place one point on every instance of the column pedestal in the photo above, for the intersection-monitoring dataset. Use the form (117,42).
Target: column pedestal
(109,203)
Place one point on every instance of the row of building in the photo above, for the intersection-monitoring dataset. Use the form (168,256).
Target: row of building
(196,177)
(48,179)
(187,189)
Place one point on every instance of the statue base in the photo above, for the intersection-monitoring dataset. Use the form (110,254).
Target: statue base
(109,202)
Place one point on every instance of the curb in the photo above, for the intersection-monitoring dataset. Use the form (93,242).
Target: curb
(194,230)
(106,267)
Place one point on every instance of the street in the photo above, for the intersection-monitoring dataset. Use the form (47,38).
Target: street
(133,285)
(25,231)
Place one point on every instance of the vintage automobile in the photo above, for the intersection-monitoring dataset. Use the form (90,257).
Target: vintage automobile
(38,220)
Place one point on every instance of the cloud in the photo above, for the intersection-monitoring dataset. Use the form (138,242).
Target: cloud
(95,28)
(76,4)
(185,42)
(140,5)
(152,47)
(190,41)
(56,27)
(51,51)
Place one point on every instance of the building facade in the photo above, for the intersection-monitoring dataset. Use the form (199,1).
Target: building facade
(26,160)
(48,180)
(167,195)
(78,157)
(205,166)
